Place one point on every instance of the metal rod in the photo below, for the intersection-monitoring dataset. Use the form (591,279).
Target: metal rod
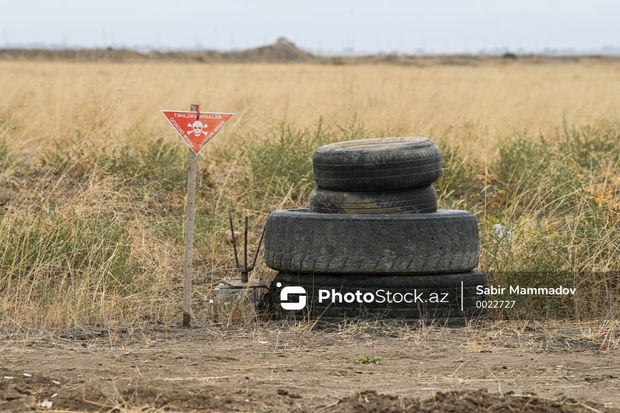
(260,241)
(234,240)
(189,238)
(196,108)
(244,269)
(244,273)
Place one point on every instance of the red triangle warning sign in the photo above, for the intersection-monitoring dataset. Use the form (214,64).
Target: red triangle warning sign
(195,130)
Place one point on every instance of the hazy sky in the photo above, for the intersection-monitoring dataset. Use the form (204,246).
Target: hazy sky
(319,25)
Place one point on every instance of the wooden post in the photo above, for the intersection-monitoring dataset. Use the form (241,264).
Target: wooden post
(190,206)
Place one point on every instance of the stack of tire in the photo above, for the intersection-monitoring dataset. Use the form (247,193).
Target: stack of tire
(372,225)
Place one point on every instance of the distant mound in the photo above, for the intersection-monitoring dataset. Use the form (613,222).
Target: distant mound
(283,50)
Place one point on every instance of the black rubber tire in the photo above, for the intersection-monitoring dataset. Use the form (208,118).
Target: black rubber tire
(297,240)
(414,200)
(377,164)
(425,285)
(471,278)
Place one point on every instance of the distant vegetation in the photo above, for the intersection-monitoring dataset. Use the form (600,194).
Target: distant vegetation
(282,51)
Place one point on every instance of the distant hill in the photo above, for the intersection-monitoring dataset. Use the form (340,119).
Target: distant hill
(282,51)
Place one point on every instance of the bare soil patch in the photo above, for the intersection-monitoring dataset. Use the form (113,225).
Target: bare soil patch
(460,401)
(274,367)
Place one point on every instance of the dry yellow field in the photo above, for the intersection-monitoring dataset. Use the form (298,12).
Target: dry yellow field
(92,178)
(473,107)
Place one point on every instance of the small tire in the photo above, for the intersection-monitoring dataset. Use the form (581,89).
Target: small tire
(297,240)
(377,164)
(413,200)
(450,300)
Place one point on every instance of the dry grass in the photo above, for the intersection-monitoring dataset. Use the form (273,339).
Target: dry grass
(475,336)
(473,107)
(92,176)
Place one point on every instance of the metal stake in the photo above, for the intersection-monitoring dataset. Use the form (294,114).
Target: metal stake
(189,231)
(244,273)
(245,270)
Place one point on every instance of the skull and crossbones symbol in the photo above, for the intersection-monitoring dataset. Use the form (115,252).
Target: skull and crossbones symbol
(197,128)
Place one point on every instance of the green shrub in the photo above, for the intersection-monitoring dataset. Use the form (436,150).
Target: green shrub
(457,186)
(560,202)
(48,247)
(282,166)
(160,163)
(592,147)
(157,163)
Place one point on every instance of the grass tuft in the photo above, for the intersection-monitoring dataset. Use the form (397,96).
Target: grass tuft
(66,263)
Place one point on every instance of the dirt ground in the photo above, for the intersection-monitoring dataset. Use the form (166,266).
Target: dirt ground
(269,367)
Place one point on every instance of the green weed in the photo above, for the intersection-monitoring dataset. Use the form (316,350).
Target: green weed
(368,360)
(559,200)
(157,164)
(58,247)
(457,187)
(281,167)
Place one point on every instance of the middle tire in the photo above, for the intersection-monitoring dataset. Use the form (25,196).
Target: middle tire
(297,240)
(416,200)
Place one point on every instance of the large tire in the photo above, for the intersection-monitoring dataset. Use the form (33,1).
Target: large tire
(453,280)
(297,240)
(377,164)
(414,200)
(453,303)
